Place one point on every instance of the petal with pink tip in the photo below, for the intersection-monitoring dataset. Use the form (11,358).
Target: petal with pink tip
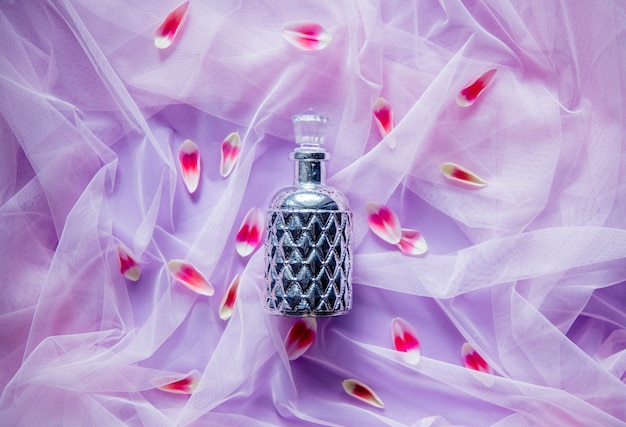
(250,232)
(362,392)
(186,385)
(300,337)
(405,340)
(189,276)
(128,266)
(170,27)
(384,222)
(306,35)
(473,360)
(227,306)
(412,242)
(189,158)
(470,93)
(231,148)
(463,176)
(383,115)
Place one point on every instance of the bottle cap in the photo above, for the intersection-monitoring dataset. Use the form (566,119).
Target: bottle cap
(309,128)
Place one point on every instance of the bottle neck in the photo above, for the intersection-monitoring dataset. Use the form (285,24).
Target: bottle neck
(310,168)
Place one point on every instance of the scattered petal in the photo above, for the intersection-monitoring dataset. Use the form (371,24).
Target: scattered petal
(412,242)
(405,340)
(300,337)
(227,306)
(186,385)
(189,157)
(250,232)
(383,222)
(189,276)
(231,148)
(171,25)
(461,175)
(128,266)
(307,35)
(384,119)
(362,392)
(468,95)
(473,360)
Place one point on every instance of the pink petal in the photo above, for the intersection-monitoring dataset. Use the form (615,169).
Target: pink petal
(384,116)
(189,157)
(128,266)
(300,337)
(473,360)
(461,175)
(360,391)
(250,232)
(470,93)
(186,385)
(306,35)
(169,28)
(231,148)
(383,222)
(405,340)
(189,276)
(227,305)
(412,242)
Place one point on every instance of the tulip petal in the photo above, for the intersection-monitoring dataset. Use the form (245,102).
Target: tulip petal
(470,93)
(231,148)
(461,175)
(189,276)
(166,32)
(300,337)
(185,385)
(250,232)
(128,266)
(227,306)
(189,158)
(405,340)
(306,35)
(473,360)
(412,242)
(383,115)
(384,222)
(362,392)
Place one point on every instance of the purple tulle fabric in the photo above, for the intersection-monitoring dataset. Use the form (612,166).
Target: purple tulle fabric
(529,270)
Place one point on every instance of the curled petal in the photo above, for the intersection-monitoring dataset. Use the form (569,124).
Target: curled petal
(384,222)
(383,115)
(189,276)
(128,266)
(250,232)
(189,157)
(185,385)
(468,95)
(462,176)
(231,148)
(300,337)
(171,25)
(306,35)
(227,305)
(360,391)
(405,340)
(412,242)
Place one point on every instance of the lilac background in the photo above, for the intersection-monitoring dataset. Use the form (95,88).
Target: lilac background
(530,270)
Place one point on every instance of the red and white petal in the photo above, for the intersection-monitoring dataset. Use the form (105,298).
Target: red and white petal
(473,360)
(362,392)
(189,158)
(300,337)
(189,276)
(306,35)
(227,306)
(384,222)
(412,242)
(463,176)
(405,340)
(384,116)
(168,29)
(231,148)
(128,266)
(185,385)
(470,93)
(250,232)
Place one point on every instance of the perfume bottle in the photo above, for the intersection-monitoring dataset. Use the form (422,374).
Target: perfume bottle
(308,243)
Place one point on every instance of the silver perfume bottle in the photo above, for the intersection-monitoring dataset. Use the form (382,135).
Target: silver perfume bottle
(308,243)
